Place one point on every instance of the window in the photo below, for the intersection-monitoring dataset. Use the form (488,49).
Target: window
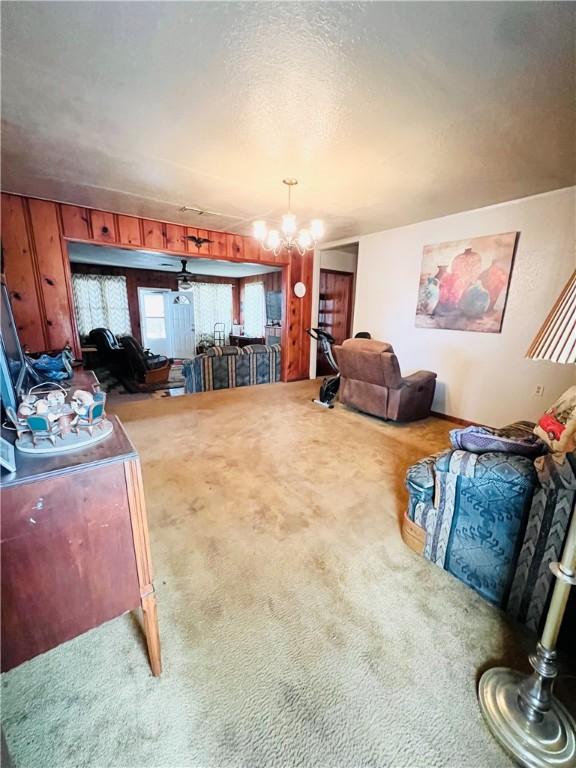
(154,315)
(254,306)
(101,301)
(212,304)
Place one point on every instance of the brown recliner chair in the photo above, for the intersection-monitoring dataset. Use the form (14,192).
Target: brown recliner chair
(370,381)
(141,366)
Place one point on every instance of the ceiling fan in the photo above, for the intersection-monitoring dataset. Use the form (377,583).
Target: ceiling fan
(183,275)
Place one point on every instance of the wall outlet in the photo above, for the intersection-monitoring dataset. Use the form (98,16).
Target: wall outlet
(539,391)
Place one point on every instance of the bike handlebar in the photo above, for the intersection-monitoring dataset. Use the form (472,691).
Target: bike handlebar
(318,334)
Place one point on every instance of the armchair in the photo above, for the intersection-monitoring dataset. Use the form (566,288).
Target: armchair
(370,380)
(43,428)
(110,353)
(93,418)
(472,510)
(20,425)
(494,520)
(141,366)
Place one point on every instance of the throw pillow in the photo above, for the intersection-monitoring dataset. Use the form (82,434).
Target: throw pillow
(557,427)
(511,439)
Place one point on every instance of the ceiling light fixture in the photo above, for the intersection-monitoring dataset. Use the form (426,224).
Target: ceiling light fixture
(289,236)
(206,212)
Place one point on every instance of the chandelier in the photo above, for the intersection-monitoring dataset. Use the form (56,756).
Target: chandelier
(289,236)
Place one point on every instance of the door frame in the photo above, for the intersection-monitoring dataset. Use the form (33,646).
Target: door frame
(350,298)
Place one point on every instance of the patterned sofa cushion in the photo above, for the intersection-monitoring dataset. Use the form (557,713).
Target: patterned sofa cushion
(222,351)
(557,470)
(515,438)
(229,367)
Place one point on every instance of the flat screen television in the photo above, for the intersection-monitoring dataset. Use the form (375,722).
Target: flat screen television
(273,307)
(15,376)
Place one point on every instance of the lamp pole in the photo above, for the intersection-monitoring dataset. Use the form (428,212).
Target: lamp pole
(521,712)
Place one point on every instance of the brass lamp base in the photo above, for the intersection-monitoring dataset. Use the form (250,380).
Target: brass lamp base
(542,743)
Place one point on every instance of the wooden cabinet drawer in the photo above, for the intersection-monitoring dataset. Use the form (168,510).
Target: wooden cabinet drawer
(68,560)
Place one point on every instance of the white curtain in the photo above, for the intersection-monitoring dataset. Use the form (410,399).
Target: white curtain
(212,304)
(101,301)
(254,309)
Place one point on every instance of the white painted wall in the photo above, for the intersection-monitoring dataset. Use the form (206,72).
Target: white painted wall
(482,377)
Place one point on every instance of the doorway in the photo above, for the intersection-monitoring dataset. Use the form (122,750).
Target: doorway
(167,322)
(336,290)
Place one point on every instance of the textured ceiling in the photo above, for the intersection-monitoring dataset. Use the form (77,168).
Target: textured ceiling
(116,257)
(387,113)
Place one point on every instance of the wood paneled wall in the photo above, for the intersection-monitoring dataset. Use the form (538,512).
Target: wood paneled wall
(35,260)
(298,315)
(272,280)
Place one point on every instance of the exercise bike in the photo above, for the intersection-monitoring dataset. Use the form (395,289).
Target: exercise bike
(330,384)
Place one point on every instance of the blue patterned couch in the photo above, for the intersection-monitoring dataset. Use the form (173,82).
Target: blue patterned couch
(227,367)
(495,521)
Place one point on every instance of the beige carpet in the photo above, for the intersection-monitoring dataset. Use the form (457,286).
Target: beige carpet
(297,629)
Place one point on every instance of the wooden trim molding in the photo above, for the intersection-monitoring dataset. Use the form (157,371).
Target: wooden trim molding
(413,535)
(456,419)
(35,237)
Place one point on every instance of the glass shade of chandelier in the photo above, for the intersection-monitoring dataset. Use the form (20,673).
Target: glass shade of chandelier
(289,236)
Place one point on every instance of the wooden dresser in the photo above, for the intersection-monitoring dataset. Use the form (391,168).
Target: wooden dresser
(75,548)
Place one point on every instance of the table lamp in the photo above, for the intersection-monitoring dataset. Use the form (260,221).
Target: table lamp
(521,711)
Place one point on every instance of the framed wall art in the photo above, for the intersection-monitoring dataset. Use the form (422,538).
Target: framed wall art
(464,283)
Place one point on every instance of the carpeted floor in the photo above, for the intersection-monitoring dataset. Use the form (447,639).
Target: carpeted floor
(297,629)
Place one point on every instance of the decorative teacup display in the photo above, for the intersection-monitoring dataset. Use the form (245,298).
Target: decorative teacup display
(46,423)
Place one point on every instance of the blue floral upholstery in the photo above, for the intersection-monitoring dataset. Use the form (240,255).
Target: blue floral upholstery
(227,367)
(420,484)
(473,509)
(552,507)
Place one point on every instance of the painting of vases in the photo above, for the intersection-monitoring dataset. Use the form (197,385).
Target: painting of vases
(464,283)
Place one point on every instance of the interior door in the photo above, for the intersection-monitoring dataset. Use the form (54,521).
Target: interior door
(180,314)
(334,310)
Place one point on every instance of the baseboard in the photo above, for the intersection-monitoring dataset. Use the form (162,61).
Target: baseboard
(455,419)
